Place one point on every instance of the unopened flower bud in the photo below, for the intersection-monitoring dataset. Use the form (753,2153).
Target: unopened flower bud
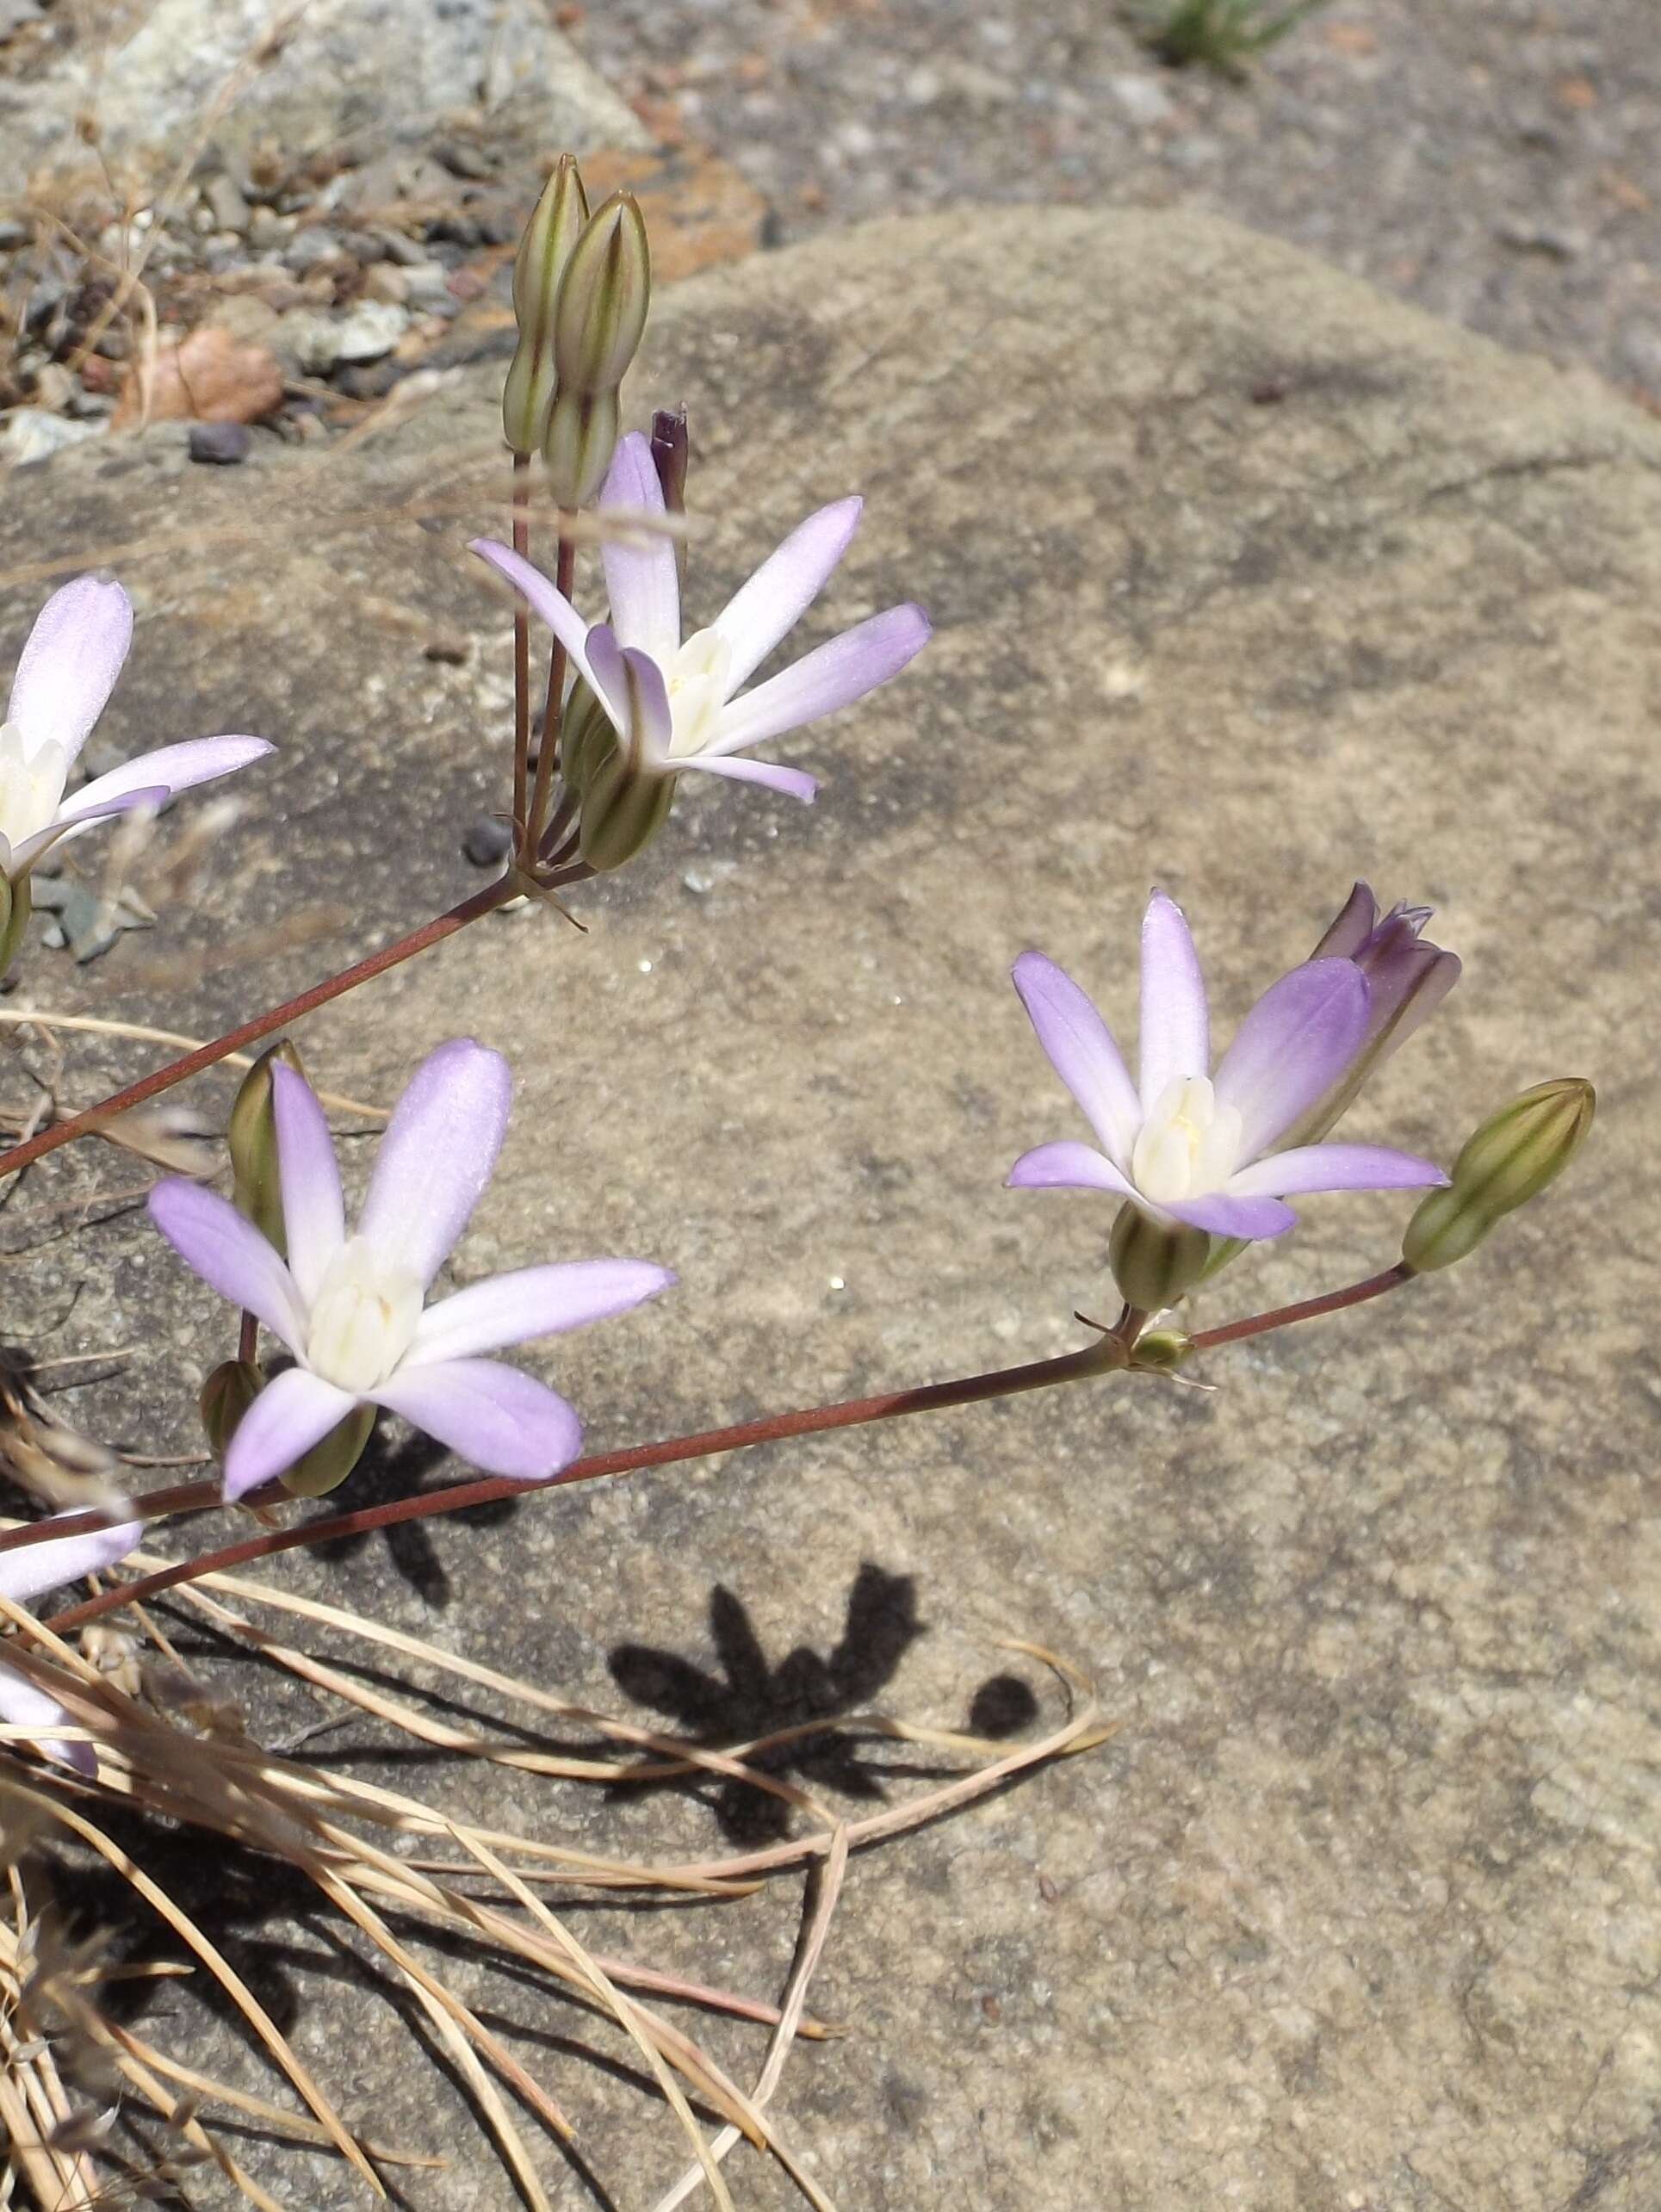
(586,737)
(579,440)
(251,1136)
(16,903)
(600,315)
(1162,1350)
(1509,1160)
(225,1398)
(327,1465)
(1154,1265)
(549,236)
(669,453)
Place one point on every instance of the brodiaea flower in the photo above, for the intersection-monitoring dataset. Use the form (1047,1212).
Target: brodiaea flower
(680,705)
(353,1310)
(28,1572)
(1186,1146)
(64,680)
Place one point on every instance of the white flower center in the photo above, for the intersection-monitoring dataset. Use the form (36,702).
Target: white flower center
(31,784)
(363,1318)
(698,678)
(1188,1145)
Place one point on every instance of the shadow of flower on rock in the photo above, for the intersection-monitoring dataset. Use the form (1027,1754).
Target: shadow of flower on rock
(391,1468)
(749,1698)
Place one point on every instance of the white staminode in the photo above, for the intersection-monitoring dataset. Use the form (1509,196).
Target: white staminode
(31,784)
(1189,1143)
(698,679)
(363,1318)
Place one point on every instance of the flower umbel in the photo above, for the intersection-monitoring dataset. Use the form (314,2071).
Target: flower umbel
(1190,1145)
(678,705)
(67,672)
(352,1308)
(29,1572)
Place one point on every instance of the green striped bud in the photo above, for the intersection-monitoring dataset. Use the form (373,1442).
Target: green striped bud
(586,738)
(251,1136)
(622,809)
(1153,1265)
(327,1465)
(599,317)
(1509,1160)
(225,1398)
(579,440)
(16,903)
(546,247)
(1162,1351)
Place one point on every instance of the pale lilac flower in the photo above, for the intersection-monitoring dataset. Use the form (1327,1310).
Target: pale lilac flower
(67,672)
(351,1309)
(679,705)
(1185,1145)
(28,1572)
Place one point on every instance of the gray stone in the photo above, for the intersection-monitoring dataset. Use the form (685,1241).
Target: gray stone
(373,72)
(370,331)
(1143,99)
(222,445)
(1245,580)
(37,433)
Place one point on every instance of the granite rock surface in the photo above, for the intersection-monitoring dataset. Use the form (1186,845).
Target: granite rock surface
(1246,581)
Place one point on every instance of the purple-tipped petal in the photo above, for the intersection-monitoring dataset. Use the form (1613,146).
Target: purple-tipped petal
(437,1156)
(294,1411)
(1335,1167)
(794,783)
(229,1254)
(37,1567)
(1350,927)
(1224,1215)
(1299,1037)
(1174,1035)
(630,687)
(1066,1166)
(313,1213)
(502,1421)
(641,582)
(77,818)
(69,664)
(530,1302)
(173,768)
(23,1705)
(786,585)
(1080,1047)
(542,598)
(834,675)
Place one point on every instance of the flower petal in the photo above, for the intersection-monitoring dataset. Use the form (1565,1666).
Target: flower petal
(1335,1167)
(37,1567)
(1351,926)
(294,1411)
(641,582)
(1174,1030)
(173,768)
(530,1302)
(834,675)
(78,819)
(784,587)
(794,783)
(437,1154)
(1067,1166)
(23,1705)
(229,1254)
(1080,1047)
(313,1213)
(69,664)
(502,1421)
(542,598)
(1224,1215)
(1299,1038)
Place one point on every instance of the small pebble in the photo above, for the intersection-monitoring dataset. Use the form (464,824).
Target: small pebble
(222,443)
(487,842)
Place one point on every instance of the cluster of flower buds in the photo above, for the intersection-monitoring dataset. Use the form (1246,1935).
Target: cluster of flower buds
(581,286)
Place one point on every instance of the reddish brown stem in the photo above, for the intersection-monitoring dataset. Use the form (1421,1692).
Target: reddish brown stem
(1282,1316)
(521,654)
(250,1032)
(565,568)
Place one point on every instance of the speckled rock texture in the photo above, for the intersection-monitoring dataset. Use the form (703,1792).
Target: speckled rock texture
(1247,581)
